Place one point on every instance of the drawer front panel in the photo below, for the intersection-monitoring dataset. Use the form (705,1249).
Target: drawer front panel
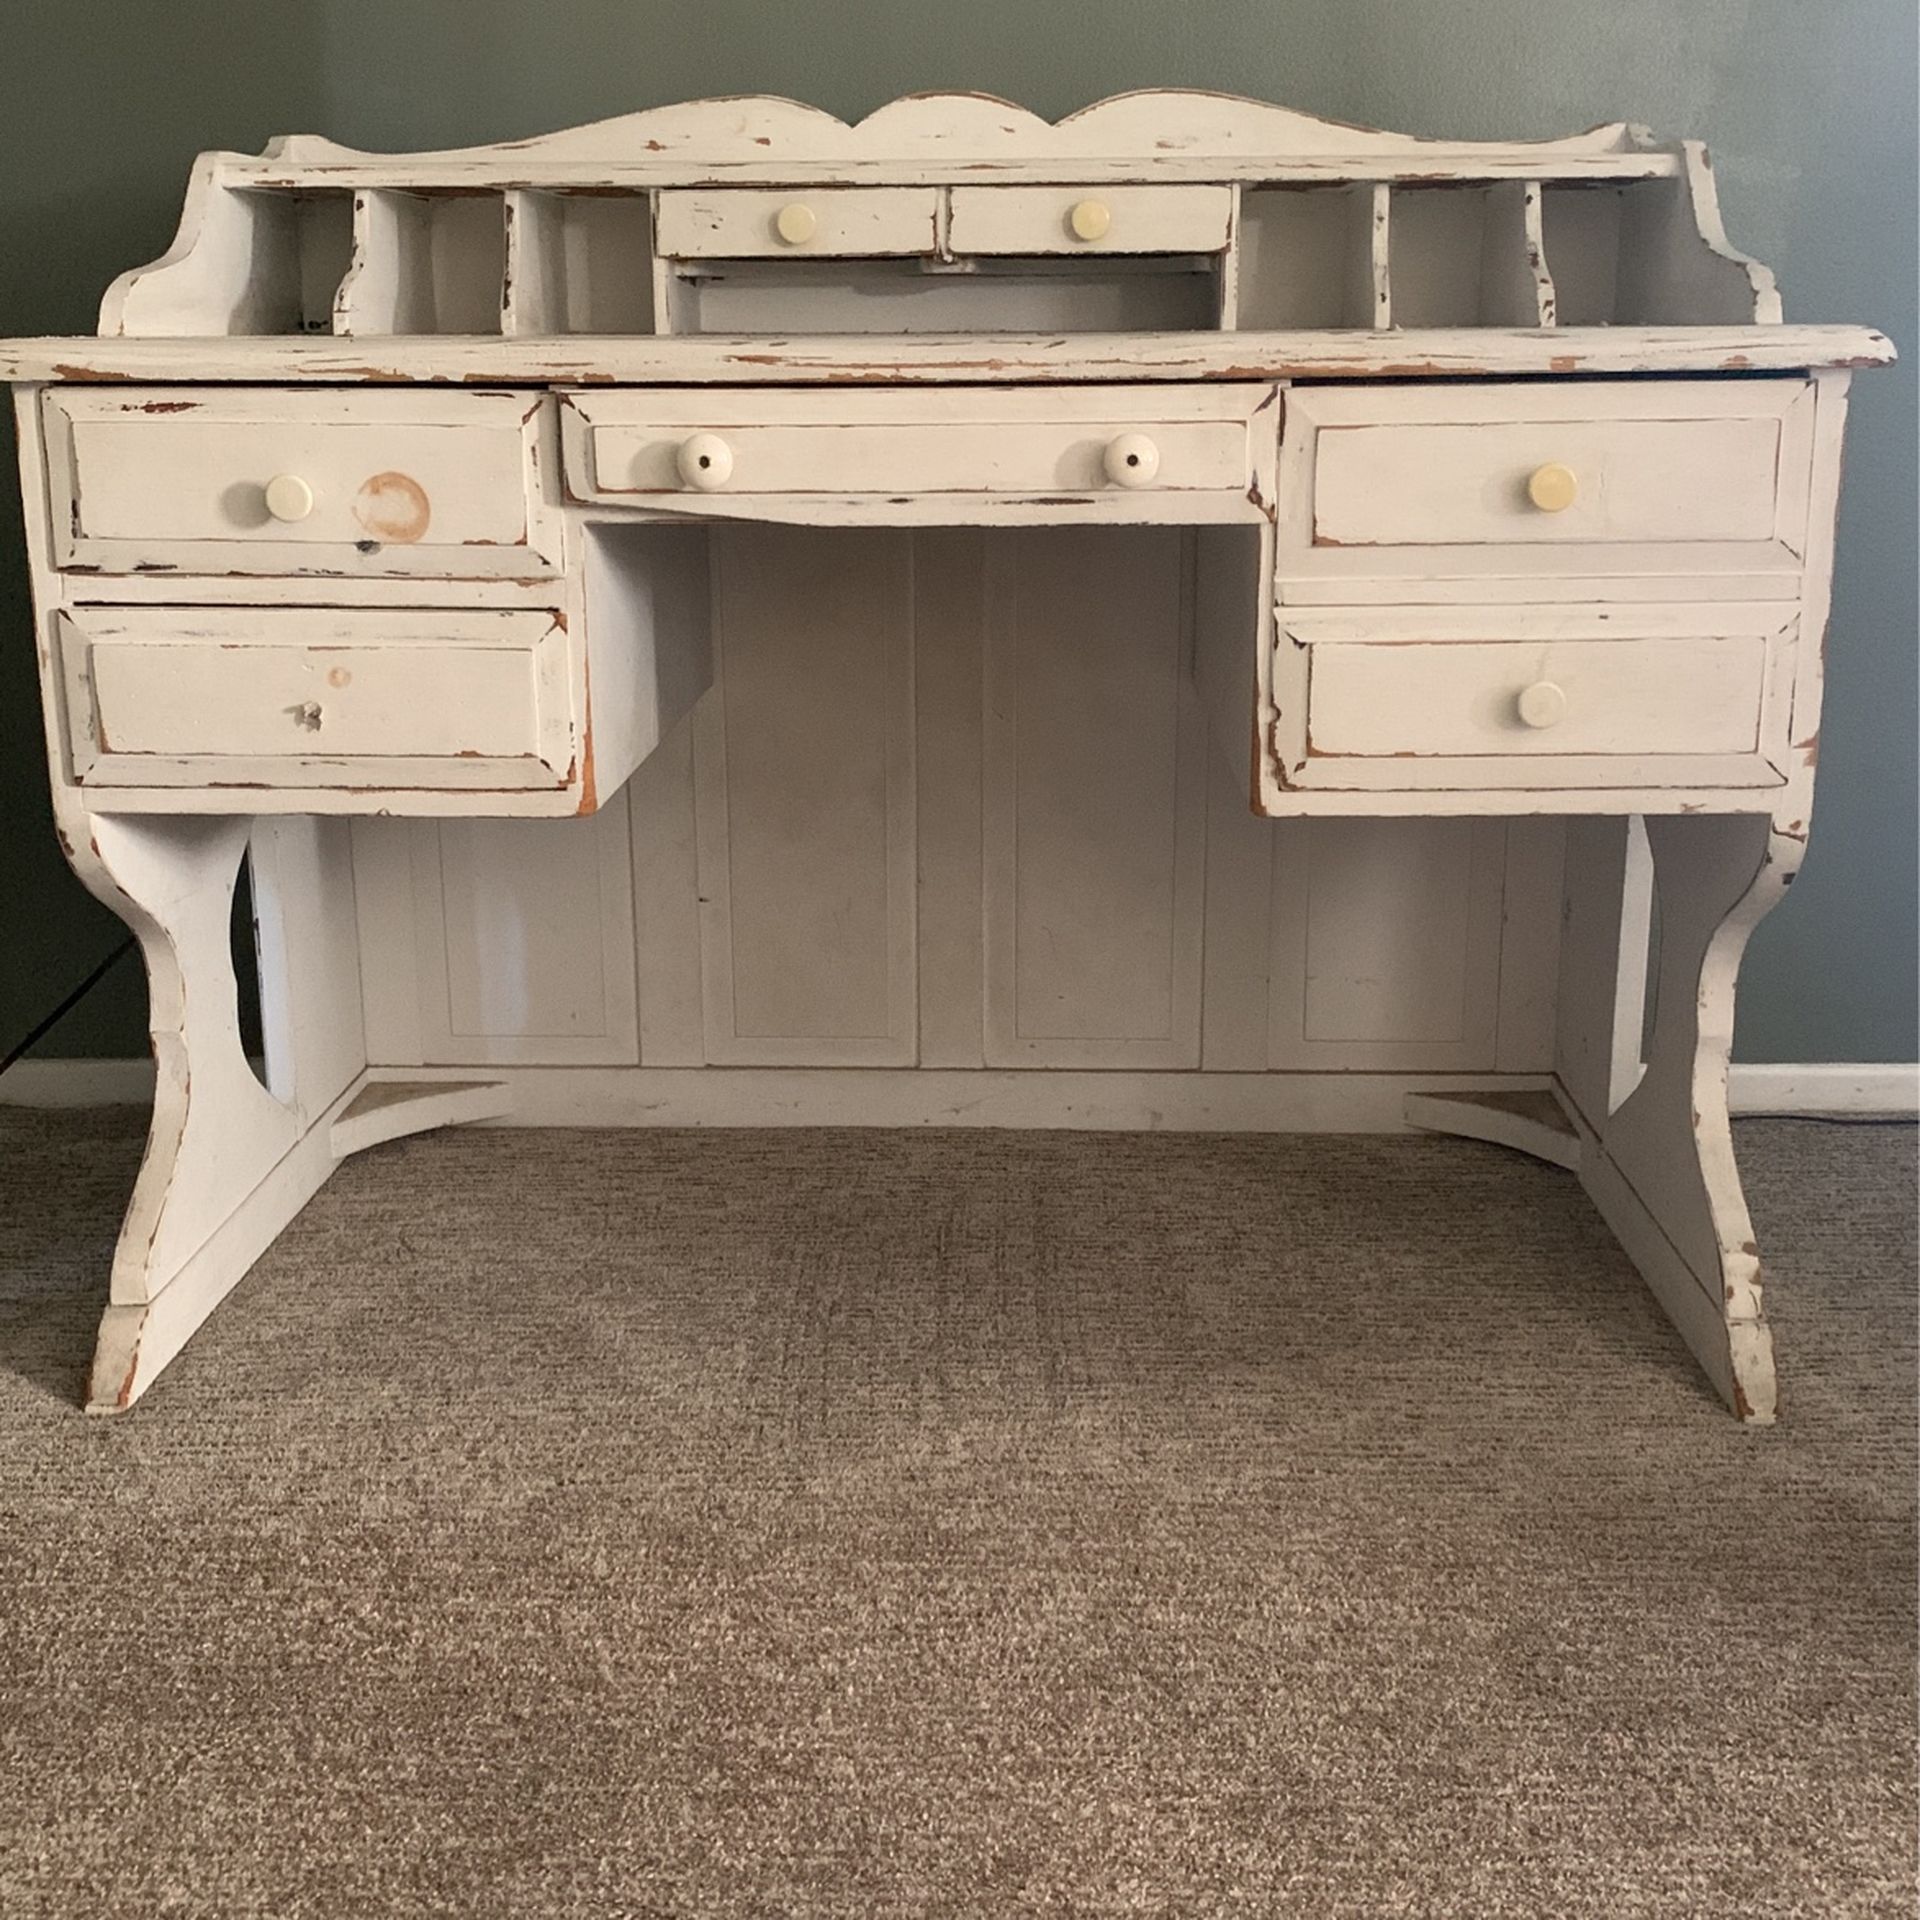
(1518,480)
(1452,698)
(297,697)
(948,456)
(742,223)
(1614,697)
(1100,219)
(257,482)
(1631,480)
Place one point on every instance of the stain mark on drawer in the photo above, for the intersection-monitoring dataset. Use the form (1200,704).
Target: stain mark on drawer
(393,507)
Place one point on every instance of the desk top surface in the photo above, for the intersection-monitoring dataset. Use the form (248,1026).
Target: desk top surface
(970,359)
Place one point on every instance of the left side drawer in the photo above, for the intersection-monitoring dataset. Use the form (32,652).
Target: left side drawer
(243,481)
(380,700)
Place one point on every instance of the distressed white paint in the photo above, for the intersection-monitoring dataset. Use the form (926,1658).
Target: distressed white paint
(1042,220)
(743,223)
(952,456)
(979,468)
(994,356)
(296,698)
(407,484)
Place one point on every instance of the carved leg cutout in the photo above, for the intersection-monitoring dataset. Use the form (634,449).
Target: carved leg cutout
(217,1134)
(1660,1167)
(216,1131)
(229,1164)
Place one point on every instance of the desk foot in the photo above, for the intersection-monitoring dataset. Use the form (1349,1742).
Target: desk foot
(138,1338)
(1658,1158)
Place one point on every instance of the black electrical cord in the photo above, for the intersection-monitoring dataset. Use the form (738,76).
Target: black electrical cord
(67,1005)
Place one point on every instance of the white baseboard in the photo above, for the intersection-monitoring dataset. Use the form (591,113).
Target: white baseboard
(1890,1088)
(709,1096)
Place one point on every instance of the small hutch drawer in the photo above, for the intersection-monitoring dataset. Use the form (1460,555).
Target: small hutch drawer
(1100,219)
(309,697)
(1452,698)
(745,223)
(257,481)
(1604,476)
(914,456)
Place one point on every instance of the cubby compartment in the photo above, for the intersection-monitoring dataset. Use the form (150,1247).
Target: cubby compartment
(1118,294)
(578,263)
(1470,256)
(1313,257)
(424,263)
(1634,255)
(302,246)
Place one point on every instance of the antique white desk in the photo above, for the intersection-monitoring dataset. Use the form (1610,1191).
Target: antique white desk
(720,615)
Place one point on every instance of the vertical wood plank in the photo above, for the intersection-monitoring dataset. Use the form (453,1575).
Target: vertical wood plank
(666,904)
(1590,948)
(1095,802)
(1239,905)
(1385,944)
(525,938)
(1530,944)
(804,785)
(949,616)
(383,896)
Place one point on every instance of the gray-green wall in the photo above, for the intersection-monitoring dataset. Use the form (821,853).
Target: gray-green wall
(1809,108)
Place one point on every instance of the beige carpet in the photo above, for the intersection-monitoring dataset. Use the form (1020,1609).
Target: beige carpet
(804,1524)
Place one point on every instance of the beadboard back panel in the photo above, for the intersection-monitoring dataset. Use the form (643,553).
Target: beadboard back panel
(950,802)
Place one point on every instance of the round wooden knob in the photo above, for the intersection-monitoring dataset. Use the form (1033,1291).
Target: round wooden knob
(1131,460)
(1541,705)
(289,497)
(1553,488)
(1090,219)
(796,223)
(706,462)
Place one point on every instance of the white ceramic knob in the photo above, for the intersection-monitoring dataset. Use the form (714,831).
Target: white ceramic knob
(1541,705)
(1131,460)
(308,715)
(1553,488)
(289,497)
(705,461)
(1090,219)
(796,223)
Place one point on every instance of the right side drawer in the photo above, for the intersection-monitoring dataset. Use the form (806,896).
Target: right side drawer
(1569,477)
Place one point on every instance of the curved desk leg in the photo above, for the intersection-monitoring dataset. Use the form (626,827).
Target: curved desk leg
(1652,1142)
(205,1203)
(229,1163)
(1660,1166)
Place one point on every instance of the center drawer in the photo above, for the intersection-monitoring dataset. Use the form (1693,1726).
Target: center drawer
(298,697)
(258,481)
(939,456)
